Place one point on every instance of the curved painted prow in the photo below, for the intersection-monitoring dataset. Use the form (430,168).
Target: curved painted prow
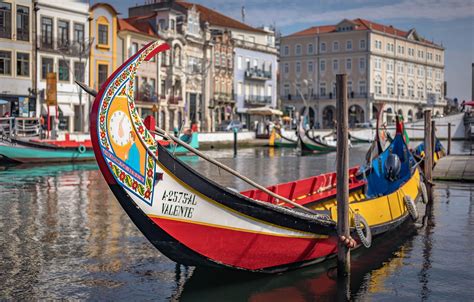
(119,137)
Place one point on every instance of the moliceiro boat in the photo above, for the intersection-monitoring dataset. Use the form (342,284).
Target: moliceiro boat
(281,138)
(315,143)
(22,151)
(195,221)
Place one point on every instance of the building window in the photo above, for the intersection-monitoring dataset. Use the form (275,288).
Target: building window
(103,74)
(163,88)
(310,48)
(349,45)
(419,91)
(79,70)
(5,63)
(63,70)
(22,23)
(410,69)
(322,47)
(79,34)
(46,32)
(239,62)
(322,89)
(103,34)
(286,90)
(298,67)
(310,66)
(286,68)
(22,64)
(63,34)
(390,88)
(362,63)
(362,87)
(411,89)
(286,50)
(47,66)
(223,60)
(362,44)
(335,65)
(348,64)
(401,88)
(335,46)
(298,50)
(5,20)
(378,44)
(378,85)
(133,49)
(322,66)
(390,66)
(400,68)
(377,64)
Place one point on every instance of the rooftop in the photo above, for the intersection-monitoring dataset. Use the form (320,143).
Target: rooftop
(217,19)
(361,24)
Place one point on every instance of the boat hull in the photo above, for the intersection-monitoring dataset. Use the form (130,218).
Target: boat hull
(25,152)
(195,221)
(180,149)
(279,140)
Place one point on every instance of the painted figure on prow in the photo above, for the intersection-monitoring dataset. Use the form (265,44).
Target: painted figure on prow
(133,155)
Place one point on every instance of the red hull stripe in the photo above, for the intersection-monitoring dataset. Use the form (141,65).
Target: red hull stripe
(246,250)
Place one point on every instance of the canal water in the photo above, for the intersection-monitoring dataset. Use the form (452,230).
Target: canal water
(64,236)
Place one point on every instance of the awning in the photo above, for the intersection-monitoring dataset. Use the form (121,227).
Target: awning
(44,110)
(264,111)
(66,110)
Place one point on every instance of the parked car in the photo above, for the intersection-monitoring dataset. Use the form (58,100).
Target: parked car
(229,125)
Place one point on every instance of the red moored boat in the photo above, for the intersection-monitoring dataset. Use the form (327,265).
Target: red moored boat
(195,221)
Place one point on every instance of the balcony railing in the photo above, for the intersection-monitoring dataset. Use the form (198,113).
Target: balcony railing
(220,96)
(258,100)
(69,47)
(258,74)
(6,32)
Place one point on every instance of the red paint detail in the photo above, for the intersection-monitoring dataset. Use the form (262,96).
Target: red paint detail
(150,123)
(307,187)
(95,113)
(244,249)
(66,143)
(160,48)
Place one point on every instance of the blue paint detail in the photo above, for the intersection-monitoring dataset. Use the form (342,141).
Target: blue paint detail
(421,147)
(377,183)
(133,158)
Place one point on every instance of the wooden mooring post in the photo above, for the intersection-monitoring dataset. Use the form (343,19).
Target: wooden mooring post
(449,139)
(342,170)
(428,164)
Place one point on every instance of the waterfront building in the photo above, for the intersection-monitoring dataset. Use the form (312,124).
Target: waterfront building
(255,61)
(62,47)
(223,101)
(16,59)
(133,36)
(383,64)
(103,51)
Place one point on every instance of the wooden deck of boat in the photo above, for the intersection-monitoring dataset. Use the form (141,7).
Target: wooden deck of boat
(455,168)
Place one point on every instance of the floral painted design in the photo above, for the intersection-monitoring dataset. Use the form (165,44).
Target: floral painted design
(123,84)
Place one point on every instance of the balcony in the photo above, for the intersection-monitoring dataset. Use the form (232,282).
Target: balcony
(224,97)
(6,32)
(258,100)
(67,47)
(258,74)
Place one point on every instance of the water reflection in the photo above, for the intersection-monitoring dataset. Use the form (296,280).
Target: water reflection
(64,236)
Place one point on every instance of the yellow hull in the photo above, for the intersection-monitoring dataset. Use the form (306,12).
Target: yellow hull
(379,210)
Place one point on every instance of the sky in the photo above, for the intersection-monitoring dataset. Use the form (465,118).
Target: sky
(446,22)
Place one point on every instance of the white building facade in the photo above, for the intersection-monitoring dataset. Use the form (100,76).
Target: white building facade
(16,57)
(63,48)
